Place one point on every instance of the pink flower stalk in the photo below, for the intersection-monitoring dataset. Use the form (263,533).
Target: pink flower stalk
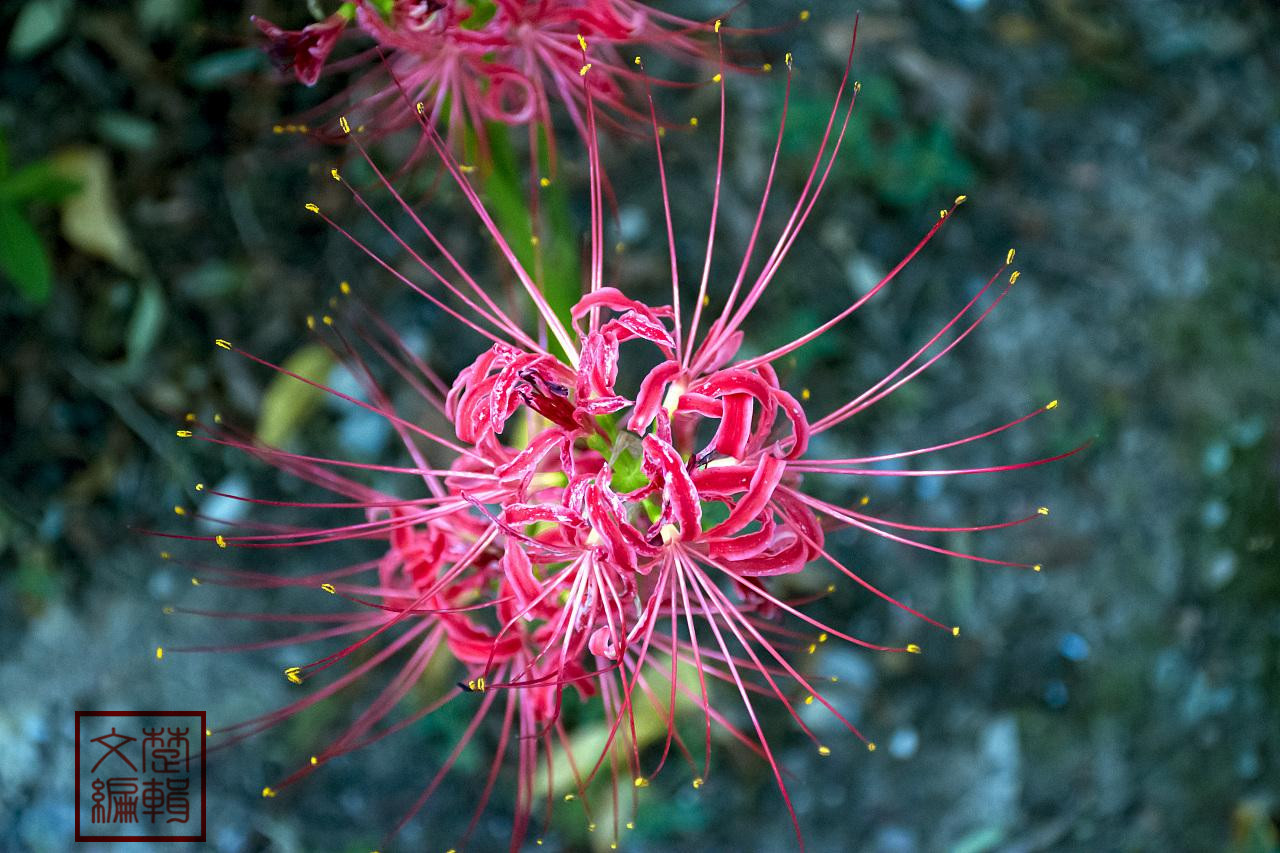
(577,541)
(506,62)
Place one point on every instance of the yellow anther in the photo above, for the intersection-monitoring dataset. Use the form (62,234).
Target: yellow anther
(539,842)
(717,78)
(167,610)
(334,174)
(476,685)
(787,58)
(159,652)
(813,647)
(767,67)
(804,14)
(345,287)
(871,746)
(831,587)
(1037,567)
(1053,404)
(311,322)
(184,433)
(329,588)
(698,782)
(199,487)
(1013,277)
(314,208)
(544,182)
(179,510)
(466,168)
(913,648)
(222,342)
(804,394)
(942,214)
(327,320)
(534,241)
(833,679)
(582,72)
(189,417)
(342,123)
(1044,510)
(195,581)
(302,128)
(1008,259)
(221,540)
(421,107)
(268,792)
(208,732)
(631,824)
(277,128)
(718,22)
(569,798)
(217,418)
(808,700)
(314,761)
(822,638)
(864,500)
(662,133)
(961,199)
(613,845)
(164,555)
(637,60)
(955,631)
(641,782)
(294,674)
(582,43)
(857,86)
(591,827)
(693,121)
(824,751)
(706,300)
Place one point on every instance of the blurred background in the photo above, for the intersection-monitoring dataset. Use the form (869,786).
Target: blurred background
(1127,698)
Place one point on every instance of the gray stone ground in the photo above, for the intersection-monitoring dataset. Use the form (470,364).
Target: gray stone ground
(1124,699)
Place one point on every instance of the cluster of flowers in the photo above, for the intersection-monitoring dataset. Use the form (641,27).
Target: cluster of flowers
(574,537)
(470,62)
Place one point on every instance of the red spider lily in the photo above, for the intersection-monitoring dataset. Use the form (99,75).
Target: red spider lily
(475,62)
(303,51)
(580,544)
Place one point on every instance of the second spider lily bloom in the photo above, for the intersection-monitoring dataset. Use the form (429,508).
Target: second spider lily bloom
(560,539)
(473,63)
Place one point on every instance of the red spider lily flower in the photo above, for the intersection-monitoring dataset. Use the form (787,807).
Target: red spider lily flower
(576,542)
(470,63)
(303,51)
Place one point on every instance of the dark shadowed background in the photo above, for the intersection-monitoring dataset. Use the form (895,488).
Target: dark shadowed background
(1127,698)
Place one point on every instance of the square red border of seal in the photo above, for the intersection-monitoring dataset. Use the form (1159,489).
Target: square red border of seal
(152,838)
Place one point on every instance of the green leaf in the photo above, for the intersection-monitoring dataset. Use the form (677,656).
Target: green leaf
(146,322)
(127,131)
(216,69)
(22,255)
(288,402)
(38,182)
(39,24)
